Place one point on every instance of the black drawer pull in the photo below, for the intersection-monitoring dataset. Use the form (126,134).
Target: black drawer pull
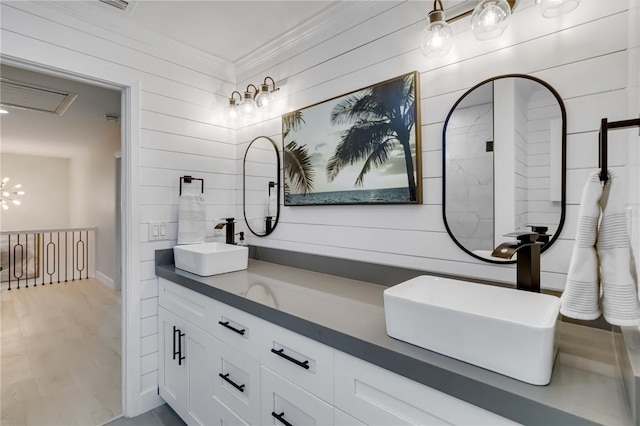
(226,378)
(281,418)
(181,357)
(175,331)
(280,352)
(232,328)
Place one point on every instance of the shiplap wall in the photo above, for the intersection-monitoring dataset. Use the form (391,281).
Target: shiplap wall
(180,133)
(588,71)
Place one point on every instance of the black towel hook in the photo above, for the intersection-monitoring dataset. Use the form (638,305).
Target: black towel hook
(605,126)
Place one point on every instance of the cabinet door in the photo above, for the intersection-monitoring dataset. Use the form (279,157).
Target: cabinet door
(285,404)
(185,372)
(173,378)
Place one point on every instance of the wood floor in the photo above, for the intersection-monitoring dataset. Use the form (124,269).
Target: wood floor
(60,354)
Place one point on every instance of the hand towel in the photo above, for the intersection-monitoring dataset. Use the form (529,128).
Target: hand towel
(581,294)
(618,275)
(191,219)
(272,205)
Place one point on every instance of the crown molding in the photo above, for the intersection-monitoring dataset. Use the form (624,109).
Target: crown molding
(321,23)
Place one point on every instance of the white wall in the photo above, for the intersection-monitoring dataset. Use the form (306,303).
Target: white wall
(588,71)
(92,197)
(45,181)
(178,134)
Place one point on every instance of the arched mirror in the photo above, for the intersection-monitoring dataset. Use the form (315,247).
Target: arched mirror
(261,186)
(504,164)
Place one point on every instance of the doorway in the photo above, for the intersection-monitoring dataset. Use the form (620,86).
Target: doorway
(91,295)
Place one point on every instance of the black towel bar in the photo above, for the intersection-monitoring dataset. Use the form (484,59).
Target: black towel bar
(189,179)
(605,126)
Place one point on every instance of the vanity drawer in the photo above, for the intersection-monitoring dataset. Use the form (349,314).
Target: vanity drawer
(236,328)
(187,304)
(376,396)
(237,382)
(227,417)
(282,401)
(305,362)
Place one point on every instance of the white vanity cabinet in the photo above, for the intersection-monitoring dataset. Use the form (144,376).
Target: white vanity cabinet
(220,365)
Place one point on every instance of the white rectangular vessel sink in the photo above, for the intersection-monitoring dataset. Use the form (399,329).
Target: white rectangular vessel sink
(511,332)
(207,259)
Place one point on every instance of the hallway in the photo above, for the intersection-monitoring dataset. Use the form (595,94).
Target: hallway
(60,354)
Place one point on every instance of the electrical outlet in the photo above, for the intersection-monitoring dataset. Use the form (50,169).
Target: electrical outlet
(158,231)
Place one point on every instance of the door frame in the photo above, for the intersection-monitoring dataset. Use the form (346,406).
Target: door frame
(129,217)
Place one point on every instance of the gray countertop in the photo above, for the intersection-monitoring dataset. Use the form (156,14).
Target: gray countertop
(586,386)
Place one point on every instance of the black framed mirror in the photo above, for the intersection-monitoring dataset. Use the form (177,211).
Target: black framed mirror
(504,164)
(261,186)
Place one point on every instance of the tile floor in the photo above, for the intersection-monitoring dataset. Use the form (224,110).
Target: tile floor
(60,354)
(160,416)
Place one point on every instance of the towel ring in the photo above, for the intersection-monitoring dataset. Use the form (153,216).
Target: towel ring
(189,179)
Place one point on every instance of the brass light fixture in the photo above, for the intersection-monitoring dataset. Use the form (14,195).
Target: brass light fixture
(555,8)
(437,38)
(254,100)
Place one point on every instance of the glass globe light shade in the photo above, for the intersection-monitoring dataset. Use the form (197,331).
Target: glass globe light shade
(264,100)
(232,110)
(555,8)
(490,18)
(437,38)
(247,107)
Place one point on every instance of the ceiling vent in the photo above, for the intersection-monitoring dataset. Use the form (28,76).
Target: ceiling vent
(17,94)
(120,4)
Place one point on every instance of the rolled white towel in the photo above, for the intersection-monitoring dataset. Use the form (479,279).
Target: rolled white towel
(617,267)
(272,204)
(581,293)
(191,219)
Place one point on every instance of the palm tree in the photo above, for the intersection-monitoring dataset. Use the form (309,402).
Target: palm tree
(382,116)
(297,166)
(297,161)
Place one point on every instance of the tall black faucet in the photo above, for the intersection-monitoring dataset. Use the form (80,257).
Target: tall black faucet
(527,250)
(230,229)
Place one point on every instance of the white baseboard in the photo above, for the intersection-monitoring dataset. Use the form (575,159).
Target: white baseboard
(149,400)
(104,279)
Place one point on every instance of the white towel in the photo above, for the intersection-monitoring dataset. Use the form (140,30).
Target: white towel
(618,275)
(191,219)
(272,204)
(580,297)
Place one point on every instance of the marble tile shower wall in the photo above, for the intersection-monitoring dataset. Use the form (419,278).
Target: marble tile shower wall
(470,168)
(589,72)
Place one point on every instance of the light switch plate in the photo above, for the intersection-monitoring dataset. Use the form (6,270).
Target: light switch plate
(158,231)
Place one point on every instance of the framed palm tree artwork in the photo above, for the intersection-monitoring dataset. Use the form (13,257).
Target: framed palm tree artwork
(359,148)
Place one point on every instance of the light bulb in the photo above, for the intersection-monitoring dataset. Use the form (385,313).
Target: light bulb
(17,186)
(232,112)
(264,100)
(555,8)
(3,111)
(20,192)
(16,202)
(5,206)
(247,107)
(5,194)
(437,38)
(490,18)
(5,180)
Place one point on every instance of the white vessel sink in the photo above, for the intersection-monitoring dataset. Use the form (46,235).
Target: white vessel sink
(207,259)
(511,332)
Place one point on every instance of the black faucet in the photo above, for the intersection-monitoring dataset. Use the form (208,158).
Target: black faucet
(230,229)
(527,249)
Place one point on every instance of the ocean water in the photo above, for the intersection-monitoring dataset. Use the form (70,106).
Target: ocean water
(364,196)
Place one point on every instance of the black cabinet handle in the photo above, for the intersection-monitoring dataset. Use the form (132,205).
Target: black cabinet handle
(232,328)
(175,331)
(281,418)
(280,352)
(226,378)
(180,356)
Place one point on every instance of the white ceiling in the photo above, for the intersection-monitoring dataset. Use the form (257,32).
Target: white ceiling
(49,135)
(229,30)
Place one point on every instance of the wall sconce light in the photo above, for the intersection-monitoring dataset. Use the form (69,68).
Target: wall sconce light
(6,194)
(437,38)
(253,101)
(555,8)
(489,19)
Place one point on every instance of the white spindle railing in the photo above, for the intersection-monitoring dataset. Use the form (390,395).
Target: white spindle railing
(46,256)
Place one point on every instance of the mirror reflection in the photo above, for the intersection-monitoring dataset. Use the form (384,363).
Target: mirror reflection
(261,186)
(503,158)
